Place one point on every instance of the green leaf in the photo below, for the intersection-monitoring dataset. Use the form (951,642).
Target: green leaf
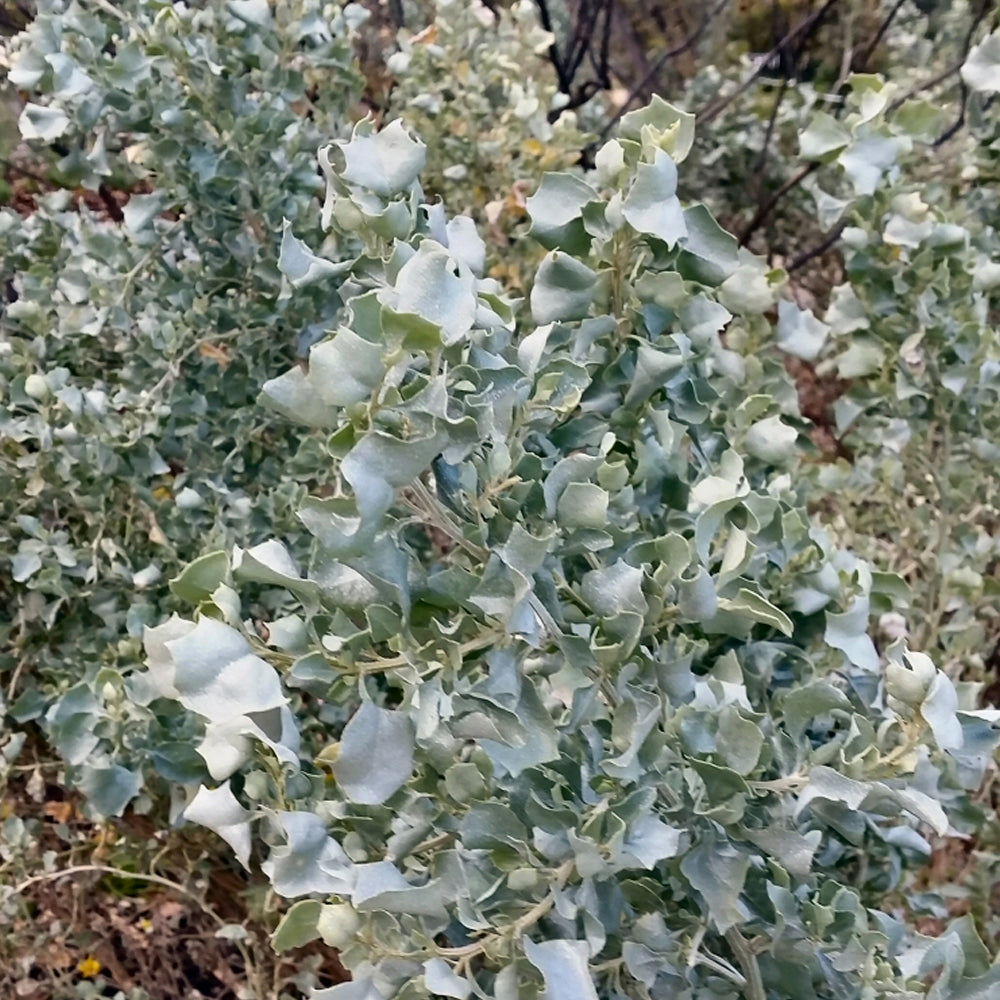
(380,885)
(925,808)
(981,70)
(210,669)
(739,741)
(799,332)
(271,563)
(199,579)
(717,871)
(563,965)
(255,12)
(794,851)
(44,124)
(831,786)
(563,289)
(533,737)
(309,861)
(109,789)
(983,987)
(442,981)
(847,313)
(920,120)
(376,754)
(939,710)
(803,704)
(298,926)
(379,464)
(673,128)
(614,590)
(958,956)
(386,163)
(359,989)
(294,395)
(433,286)
(216,673)
(300,265)
(758,609)
(823,139)
(141,210)
(463,240)
(338,924)
(697,599)
(24,565)
(747,290)
(664,288)
(411,332)
(772,441)
(651,205)
(653,369)
(650,840)
(867,160)
(68,78)
(178,762)
(489,824)
(848,632)
(583,505)
(709,254)
(555,210)
(219,811)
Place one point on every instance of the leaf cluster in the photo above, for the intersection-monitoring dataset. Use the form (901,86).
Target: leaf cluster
(608,718)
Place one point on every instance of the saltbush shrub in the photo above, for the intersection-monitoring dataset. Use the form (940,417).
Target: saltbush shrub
(911,336)
(137,336)
(478,85)
(571,697)
(134,346)
(554,686)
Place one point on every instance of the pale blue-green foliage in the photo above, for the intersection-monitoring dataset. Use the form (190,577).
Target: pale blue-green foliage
(913,330)
(132,353)
(745,161)
(479,87)
(609,721)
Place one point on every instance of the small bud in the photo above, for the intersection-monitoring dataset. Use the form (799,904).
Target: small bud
(36,387)
(610,162)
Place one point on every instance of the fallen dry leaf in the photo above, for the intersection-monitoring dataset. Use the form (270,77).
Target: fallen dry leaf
(61,812)
(220,355)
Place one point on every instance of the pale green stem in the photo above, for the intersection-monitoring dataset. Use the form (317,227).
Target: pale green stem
(754,989)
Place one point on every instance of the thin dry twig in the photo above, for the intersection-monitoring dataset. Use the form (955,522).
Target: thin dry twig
(963,101)
(768,207)
(821,248)
(799,33)
(880,34)
(661,61)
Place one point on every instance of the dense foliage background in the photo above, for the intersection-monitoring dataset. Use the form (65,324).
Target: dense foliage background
(546,535)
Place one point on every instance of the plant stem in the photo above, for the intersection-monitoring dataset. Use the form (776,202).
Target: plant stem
(789,783)
(754,989)
(523,923)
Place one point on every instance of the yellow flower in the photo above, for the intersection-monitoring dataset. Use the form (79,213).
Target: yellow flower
(89,967)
